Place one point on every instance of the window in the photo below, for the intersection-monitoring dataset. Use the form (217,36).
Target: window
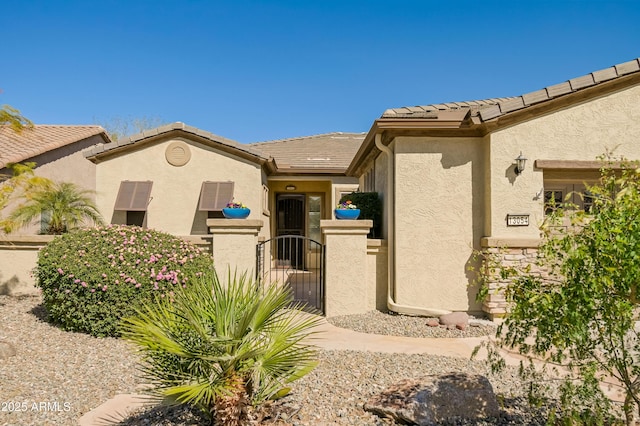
(314,215)
(265,200)
(566,195)
(133,198)
(133,195)
(137,218)
(214,196)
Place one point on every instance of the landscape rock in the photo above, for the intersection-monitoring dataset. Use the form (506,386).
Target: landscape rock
(6,350)
(455,318)
(433,322)
(461,327)
(436,399)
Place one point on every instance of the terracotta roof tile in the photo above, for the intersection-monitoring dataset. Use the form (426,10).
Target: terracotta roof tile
(329,151)
(140,138)
(18,147)
(488,109)
(581,82)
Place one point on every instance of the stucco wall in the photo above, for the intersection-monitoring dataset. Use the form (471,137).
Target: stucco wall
(66,164)
(18,257)
(381,167)
(439,198)
(176,190)
(377,277)
(581,132)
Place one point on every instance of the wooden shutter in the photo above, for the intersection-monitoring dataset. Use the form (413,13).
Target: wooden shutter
(214,196)
(133,195)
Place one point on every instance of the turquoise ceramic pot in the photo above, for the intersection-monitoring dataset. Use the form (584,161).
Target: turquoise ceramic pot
(347,214)
(236,213)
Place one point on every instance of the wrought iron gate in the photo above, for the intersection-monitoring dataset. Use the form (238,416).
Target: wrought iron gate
(297,262)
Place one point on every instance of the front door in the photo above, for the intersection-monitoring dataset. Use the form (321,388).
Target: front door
(290,211)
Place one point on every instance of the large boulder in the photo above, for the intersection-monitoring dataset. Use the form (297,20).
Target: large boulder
(436,399)
(455,319)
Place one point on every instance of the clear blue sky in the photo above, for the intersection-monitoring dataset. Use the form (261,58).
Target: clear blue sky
(262,70)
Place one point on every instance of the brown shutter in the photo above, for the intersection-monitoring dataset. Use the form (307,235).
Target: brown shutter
(214,196)
(133,195)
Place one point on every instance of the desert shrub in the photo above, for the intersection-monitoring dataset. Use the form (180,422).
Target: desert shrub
(370,208)
(92,278)
(581,315)
(223,347)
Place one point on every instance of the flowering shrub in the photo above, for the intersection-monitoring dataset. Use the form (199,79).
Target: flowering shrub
(234,205)
(92,278)
(346,205)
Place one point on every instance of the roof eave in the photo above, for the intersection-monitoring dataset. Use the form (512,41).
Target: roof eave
(285,171)
(101,152)
(462,125)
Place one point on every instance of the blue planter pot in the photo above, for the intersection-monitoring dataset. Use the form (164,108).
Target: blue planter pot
(347,214)
(236,213)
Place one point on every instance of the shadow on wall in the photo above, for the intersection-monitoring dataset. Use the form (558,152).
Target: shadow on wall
(10,286)
(473,271)
(14,287)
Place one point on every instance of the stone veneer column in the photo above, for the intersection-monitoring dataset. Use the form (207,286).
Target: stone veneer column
(507,252)
(346,289)
(234,244)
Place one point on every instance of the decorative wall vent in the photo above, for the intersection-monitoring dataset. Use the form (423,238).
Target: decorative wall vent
(178,153)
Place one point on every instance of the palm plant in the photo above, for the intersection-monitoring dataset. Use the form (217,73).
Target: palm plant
(60,205)
(223,347)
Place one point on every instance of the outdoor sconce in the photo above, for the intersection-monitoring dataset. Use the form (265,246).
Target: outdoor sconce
(290,187)
(520,162)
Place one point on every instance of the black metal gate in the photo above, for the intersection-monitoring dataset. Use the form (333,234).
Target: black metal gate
(297,262)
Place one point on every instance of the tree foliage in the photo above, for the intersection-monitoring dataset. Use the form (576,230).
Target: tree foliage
(20,182)
(12,117)
(579,308)
(223,347)
(370,207)
(121,127)
(61,206)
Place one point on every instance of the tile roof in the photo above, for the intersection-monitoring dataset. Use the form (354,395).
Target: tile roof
(159,131)
(16,147)
(328,151)
(489,109)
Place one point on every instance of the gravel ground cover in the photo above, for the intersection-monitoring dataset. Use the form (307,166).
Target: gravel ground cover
(390,324)
(57,376)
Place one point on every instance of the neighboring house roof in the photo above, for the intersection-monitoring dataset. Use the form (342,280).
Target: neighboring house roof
(324,153)
(16,147)
(492,108)
(173,130)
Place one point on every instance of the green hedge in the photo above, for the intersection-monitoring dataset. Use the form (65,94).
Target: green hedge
(370,208)
(92,278)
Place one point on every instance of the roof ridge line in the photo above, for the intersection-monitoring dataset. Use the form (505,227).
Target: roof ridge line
(295,138)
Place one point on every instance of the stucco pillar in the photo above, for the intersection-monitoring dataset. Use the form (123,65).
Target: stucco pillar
(234,244)
(346,291)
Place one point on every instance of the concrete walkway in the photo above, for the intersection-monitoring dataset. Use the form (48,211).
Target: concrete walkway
(329,338)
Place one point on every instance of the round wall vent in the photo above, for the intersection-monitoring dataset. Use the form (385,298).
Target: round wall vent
(178,153)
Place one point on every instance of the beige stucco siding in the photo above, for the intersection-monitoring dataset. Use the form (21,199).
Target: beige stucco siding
(176,190)
(381,170)
(439,220)
(581,132)
(66,164)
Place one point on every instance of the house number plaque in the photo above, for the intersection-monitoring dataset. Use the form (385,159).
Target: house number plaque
(517,220)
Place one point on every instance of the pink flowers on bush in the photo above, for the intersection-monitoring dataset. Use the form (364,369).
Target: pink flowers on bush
(102,274)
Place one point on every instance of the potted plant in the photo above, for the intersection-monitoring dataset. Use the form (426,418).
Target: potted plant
(236,211)
(347,211)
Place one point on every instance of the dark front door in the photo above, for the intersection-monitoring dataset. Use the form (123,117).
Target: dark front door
(290,210)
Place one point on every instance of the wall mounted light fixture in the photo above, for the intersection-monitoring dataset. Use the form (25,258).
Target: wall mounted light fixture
(520,163)
(290,187)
